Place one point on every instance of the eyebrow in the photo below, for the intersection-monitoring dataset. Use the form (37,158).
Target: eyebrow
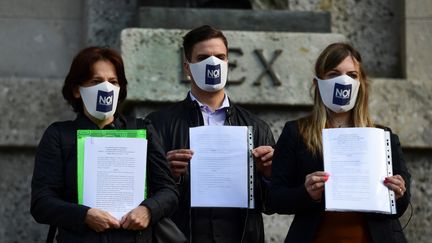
(336,70)
(214,54)
(100,77)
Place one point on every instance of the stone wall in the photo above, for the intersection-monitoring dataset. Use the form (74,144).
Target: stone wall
(39,38)
(16,224)
(375,27)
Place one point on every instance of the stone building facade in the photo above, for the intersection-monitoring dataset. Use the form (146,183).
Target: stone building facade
(40,37)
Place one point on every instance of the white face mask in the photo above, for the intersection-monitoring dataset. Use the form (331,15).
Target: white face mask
(100,100)
(339,94)
(210,74)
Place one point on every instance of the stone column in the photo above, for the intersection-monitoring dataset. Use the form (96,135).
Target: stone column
(418,40)
(104,19)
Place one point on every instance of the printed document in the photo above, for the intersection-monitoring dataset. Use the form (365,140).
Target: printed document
(219,166)
(114,173)
(355,158)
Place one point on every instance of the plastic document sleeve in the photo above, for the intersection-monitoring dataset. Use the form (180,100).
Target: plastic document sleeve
(222,167)
(358,160)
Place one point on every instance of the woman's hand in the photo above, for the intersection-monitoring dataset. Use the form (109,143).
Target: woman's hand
(137,219)
(100,220)
(397,184)
(314,184)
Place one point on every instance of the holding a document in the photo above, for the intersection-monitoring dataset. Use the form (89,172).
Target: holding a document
(214,197)
(358,160)
(343,177)
(88,183)
(220,175)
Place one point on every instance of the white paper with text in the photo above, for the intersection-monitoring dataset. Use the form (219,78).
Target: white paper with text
(219,166)
(355,158)
(114,173)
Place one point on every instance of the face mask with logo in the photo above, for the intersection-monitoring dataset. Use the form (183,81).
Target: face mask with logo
(210,74)
(339,94)
(100,100)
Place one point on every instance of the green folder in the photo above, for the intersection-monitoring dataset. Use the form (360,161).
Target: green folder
(83,134)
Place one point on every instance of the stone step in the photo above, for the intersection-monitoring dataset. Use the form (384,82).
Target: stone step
(268,68)
(234,19)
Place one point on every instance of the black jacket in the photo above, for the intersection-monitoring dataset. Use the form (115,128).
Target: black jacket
(219,224)
(54,184)
(292,161)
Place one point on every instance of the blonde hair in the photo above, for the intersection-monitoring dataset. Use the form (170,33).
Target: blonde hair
(310,127)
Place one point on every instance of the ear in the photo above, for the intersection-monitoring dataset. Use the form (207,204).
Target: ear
(314,80)
(187,69)
(76,93)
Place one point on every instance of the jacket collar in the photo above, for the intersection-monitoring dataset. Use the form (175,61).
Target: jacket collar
(225,102)
(195,112)
(194,103)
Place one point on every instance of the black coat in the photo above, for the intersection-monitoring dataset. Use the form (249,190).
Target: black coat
(54,184)
(292,161)
(220,224)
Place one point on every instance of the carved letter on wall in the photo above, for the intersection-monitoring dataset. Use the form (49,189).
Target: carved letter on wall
(268,67)
(233,64)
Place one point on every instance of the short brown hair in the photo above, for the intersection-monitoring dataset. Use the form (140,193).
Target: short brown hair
(81,71)
(200,34)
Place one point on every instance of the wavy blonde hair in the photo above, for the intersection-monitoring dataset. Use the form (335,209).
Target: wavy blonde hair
(310,127)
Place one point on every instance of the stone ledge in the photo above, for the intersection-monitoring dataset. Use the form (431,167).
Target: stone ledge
(245,20)
(418,8)
(154,66)
(418,49)
(32,104)
(404,106)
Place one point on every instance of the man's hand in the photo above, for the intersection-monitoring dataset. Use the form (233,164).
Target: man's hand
(179,161)
(100,220)
(263,156)
(137,219)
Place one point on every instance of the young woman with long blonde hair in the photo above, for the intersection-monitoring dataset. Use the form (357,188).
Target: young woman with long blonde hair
(298,178)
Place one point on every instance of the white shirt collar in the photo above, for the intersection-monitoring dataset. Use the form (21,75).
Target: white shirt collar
(225,103)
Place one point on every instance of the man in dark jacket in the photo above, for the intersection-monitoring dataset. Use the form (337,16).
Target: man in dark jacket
(206,51)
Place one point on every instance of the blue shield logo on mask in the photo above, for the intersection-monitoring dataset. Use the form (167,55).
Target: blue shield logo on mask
(213,74)
(342,94)
(104,101)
